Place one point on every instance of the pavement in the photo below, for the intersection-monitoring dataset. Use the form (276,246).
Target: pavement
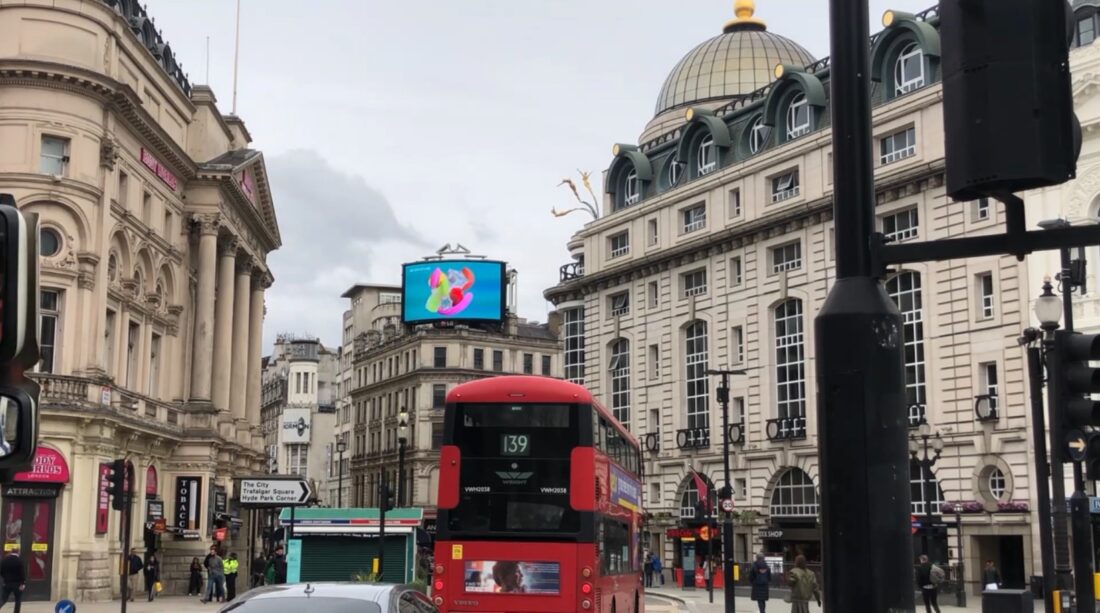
(698,601)
(175,604)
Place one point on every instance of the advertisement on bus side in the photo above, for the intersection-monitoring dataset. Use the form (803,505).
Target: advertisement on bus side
(512,577)
(625,491)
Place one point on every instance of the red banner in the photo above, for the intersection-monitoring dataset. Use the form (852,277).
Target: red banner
(103,504)
(151,482)
(49,467)
(152,163)
(248,185)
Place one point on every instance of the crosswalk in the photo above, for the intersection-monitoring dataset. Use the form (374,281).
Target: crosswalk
(659,605)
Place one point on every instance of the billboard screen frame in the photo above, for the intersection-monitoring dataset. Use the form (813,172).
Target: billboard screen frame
(466,320)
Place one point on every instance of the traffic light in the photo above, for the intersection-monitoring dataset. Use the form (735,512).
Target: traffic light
(1073,381)
(1009,124)
(386,498)
(118,485)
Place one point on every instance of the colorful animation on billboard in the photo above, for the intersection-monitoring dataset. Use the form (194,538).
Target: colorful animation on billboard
(453,290)
(511,577)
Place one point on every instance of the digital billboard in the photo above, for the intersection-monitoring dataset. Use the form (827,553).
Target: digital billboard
(453,290)
(512,577)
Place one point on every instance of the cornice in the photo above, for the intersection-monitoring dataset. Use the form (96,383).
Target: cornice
(47,183)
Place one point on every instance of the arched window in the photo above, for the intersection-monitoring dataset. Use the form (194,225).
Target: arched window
(790,360)
(632,192)
(758,136)
(708,156)
(795,496)
(798,117)
(620,380)
(691,496)
(925,491)
(909,69)
(696,357)
(905,289)
(675,171)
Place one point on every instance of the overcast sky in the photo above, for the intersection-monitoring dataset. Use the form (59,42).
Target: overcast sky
(392,128)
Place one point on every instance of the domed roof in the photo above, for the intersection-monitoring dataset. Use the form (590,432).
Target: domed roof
(739,61)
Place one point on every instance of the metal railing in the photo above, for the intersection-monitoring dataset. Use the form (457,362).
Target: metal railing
(786,429)
(735,433)
(693,438)
(573,270)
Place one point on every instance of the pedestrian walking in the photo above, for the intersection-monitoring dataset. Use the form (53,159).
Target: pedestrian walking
(804,588)
(136,566)
(258,567)
(929,576)
(648,566)
(276,568)
(760,578)
(991,577)
(658,569)
(152,575)
(231,567)
(215,576)
(194,585)
(14,576)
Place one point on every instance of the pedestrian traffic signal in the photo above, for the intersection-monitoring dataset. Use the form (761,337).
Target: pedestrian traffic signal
(387,498)
(1009,124)
(1073,381)
(118,485)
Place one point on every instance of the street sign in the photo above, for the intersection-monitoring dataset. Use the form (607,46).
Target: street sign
(915,525)
(1076,443)
(727,505)
(274,492)
(65,606)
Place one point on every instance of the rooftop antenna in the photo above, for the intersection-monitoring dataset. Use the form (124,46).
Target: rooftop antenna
(236,56)
(208,60)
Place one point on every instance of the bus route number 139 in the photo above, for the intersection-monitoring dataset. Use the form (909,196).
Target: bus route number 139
(515,445)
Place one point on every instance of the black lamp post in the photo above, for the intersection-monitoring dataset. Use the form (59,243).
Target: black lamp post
(341,447)
(918,450)
(726,494)
(402,440)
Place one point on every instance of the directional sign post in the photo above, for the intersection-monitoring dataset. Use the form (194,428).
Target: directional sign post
(1076,444)
(274,492)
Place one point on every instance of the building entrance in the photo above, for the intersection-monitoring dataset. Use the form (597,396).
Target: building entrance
(27,515)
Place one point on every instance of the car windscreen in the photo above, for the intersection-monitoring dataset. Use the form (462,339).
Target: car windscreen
(298,604)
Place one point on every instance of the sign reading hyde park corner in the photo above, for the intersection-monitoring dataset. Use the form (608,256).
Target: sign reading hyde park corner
(273,492)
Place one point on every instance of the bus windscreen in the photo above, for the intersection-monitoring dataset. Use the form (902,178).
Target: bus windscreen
(515,468)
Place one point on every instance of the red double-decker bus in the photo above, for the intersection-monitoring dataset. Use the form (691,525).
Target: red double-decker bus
(539,501)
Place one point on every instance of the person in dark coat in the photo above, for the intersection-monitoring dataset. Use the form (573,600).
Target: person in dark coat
(648,570)
(927,585)
(278,566)
(258,567)
(152,575)
(194,586)
(760,578)
(14,576)
(991,577)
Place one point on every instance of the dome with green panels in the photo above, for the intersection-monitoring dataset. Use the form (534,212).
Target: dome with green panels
(739,61)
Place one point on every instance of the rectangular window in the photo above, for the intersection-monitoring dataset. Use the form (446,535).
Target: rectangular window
(54,156)
(898,146)
(653,292)
(911,69)
(298,459)
(528,364)
(738,408)
(901,226)
(439,395)
(982,210)
(652,231)
(785,186)
(988,374)
(133,336)
(695,218)
(168,224)
(123,189)
(737,344)
(694,282)
(546,362)
(654,362)
(735,272)
(740,488)
(437,435)
(49,314)
(786,257)
(735,203)
(620,244)
(146,208)
(479,359)
(573,344)
(1086,31)
(439,360)
(697,381)
(154,366)
(619,304)
(498,361)
(985,293)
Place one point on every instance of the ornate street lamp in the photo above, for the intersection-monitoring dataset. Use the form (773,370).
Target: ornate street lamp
(919,450)
(1048,308)
(341,447)
(402,440)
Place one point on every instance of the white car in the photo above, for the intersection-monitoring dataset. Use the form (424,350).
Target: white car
(331,598)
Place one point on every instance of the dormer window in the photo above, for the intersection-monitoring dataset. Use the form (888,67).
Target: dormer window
(758,136)
(708,156)
(675,171)
(633,192)
(798,117)
(909,70)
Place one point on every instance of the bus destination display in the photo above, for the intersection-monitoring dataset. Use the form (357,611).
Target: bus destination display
(515,445)
(512,577)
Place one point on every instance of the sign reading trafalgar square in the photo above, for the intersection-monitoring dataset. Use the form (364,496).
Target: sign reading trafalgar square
(274,492)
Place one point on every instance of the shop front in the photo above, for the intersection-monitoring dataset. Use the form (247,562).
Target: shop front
(30,506)
(343,544)
(788,539)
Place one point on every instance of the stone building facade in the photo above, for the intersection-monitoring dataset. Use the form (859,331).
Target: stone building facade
(399,367)
(716,249)
(156,223)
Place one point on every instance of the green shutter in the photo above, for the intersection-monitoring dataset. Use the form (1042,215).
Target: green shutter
(339,558)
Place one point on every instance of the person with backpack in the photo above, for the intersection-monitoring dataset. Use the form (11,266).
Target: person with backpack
(658,568)
(760,578)
(929,578)
(803,586)
(136,566)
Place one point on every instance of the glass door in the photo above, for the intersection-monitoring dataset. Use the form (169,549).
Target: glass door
(28,528)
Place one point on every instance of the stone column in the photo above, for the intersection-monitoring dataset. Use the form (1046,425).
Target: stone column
(223,323)
(239,385)
(255,349)
(203,354)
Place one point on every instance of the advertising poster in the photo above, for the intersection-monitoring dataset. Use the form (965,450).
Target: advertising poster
(625,491)
(453,290)
(295,426)
(512,577)
(103,500)
(188,505)
(294,560)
